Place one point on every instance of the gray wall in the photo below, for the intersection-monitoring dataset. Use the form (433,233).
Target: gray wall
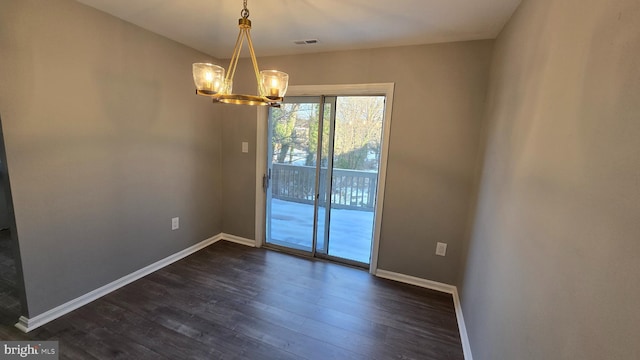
(553,269)
(435,135)
(239,182)
(106,141)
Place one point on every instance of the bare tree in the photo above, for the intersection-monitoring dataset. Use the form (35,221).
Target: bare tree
(358,132)
(283,138)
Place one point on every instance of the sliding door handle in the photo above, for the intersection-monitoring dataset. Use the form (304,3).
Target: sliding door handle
(266,179)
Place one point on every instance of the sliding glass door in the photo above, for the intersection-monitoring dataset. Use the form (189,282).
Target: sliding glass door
(323,159)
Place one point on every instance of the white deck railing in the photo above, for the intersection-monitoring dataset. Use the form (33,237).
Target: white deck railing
(351,189)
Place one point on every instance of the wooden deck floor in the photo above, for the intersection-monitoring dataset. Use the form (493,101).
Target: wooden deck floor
(233,302)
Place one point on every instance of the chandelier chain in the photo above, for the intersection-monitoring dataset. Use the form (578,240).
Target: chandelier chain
(245,12)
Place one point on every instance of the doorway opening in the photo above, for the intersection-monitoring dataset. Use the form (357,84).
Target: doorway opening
(11,285)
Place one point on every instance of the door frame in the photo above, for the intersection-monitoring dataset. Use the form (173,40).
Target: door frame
(380,89)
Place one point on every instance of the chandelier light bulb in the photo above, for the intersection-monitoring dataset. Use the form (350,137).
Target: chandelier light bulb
(208,78)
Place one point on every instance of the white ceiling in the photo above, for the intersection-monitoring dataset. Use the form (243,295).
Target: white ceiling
(211,25)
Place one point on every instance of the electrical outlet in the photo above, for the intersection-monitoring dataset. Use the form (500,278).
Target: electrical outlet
(175,223)
(441,249)
(245,147)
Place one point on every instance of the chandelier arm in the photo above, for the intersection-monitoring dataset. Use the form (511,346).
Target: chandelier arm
(255,62)
(234,58)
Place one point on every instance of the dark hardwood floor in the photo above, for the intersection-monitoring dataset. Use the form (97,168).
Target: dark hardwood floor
(229,301)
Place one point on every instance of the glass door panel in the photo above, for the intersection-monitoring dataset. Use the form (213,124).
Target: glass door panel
(356,159)
(292,156)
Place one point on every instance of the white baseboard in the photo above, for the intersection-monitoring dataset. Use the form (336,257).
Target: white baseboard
(28,324)
(445,288)
(466,345)
(238,240)
(412,280)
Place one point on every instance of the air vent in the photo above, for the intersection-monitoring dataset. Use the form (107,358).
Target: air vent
(306,42)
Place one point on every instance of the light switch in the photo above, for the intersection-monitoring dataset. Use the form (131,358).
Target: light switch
(245,147)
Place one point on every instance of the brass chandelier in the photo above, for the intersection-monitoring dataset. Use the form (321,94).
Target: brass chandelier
(210,79)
